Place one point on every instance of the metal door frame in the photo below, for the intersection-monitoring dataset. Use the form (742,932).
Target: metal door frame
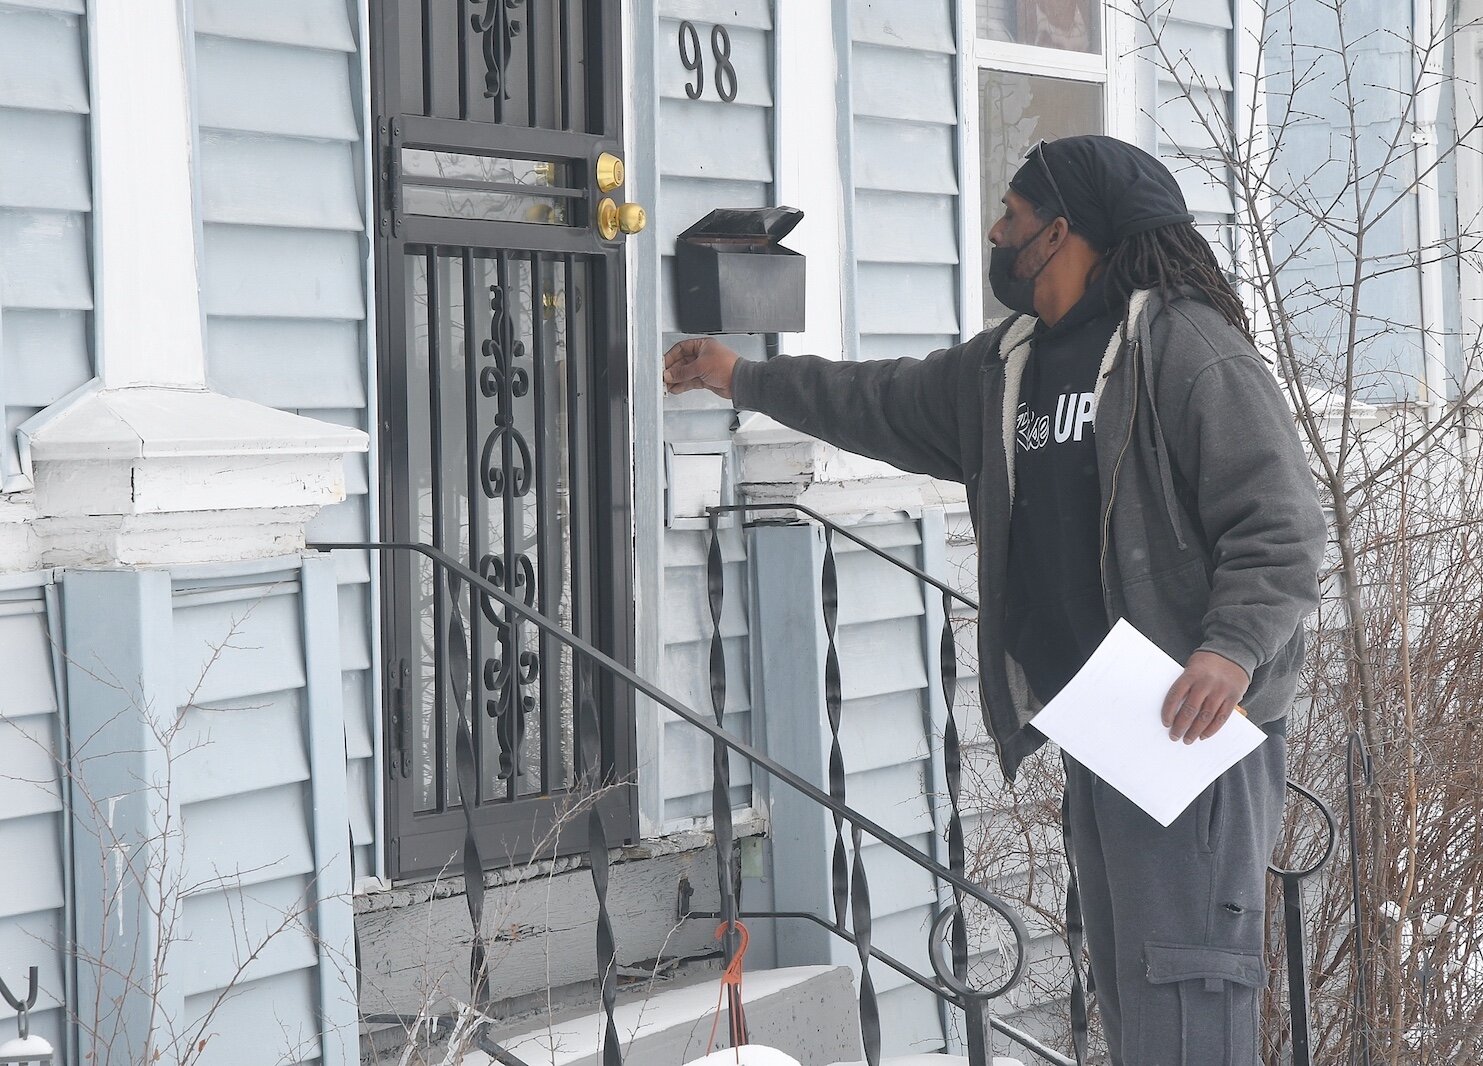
(420,845)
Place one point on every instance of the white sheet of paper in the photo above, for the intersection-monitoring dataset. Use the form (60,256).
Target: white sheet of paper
(1108,718)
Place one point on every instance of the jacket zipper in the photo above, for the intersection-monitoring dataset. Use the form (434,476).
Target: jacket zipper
(1116,467)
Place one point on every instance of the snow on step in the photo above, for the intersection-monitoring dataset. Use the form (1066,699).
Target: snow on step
(809,1011)
(933,1060)
(746,1055)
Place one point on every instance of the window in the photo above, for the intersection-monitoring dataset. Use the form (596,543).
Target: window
(1043,70)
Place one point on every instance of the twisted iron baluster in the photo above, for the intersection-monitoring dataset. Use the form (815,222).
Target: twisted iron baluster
(460,665)
(833,699)
(870,1022)
(848,883)
(1296,938)
(973,1009)
(726,869)
(589,731)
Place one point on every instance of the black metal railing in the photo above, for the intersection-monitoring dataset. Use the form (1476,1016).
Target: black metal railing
(849,880)
(851,919)
(725,746)
(953,978)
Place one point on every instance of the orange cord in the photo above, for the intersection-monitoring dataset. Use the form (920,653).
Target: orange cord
(732,977)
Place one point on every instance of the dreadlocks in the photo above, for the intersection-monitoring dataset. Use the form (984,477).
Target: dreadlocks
(1169,258)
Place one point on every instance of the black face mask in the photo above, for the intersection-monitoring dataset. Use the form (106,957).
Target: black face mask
(1017,294)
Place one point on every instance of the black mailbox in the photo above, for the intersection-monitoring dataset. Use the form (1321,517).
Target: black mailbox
(732,276)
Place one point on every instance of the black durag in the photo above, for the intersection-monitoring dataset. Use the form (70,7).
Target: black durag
(1108,189)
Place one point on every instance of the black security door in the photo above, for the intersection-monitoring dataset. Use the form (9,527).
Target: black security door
(503,411)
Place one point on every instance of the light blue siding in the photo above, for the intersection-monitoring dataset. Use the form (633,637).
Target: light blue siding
(903,104)
(686,670)
(46,289)
(31,890)
(1195,83)
(258,857)
(711,154)
(887,737)
(284,283)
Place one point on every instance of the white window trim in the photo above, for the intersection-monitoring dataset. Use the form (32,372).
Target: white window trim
(1115,68)
(1249,112)
(1467,81)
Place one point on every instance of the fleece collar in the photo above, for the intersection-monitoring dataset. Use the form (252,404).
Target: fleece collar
(1014,351)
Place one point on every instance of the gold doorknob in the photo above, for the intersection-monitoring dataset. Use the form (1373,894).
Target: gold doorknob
(610,173)
(632,218)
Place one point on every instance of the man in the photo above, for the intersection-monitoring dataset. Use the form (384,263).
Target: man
(1127,454)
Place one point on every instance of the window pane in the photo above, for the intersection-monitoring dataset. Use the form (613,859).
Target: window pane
(1071,24)
(1015,111)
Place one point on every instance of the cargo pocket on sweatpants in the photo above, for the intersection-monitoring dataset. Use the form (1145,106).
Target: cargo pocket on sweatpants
(1200,1008)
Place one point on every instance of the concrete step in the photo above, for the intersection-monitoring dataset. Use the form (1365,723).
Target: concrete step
(809,1012)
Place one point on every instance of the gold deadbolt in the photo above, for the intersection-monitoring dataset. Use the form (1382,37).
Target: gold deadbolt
(544,172)
(630,218)
(610,173)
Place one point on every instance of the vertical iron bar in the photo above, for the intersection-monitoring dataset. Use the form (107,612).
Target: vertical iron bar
(721,768)
(597,852)
(860,925)
(1297,969)
(1358,751)
(461,672)
(578,471)
(509,698)
(579,71)
(563,54)
(501,29)
(833,700)
(848,884)
(473,447)
(973,1009)
(429,102)
(440,607)
(547,460)
(532,95)
(463,18)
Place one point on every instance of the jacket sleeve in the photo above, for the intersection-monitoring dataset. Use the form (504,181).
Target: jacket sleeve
(902,411)
(1258,504)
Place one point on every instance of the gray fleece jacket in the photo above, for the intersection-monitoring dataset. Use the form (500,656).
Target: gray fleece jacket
(1212,534)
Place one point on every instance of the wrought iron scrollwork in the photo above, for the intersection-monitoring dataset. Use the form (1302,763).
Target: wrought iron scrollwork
(505,469)
(499,29)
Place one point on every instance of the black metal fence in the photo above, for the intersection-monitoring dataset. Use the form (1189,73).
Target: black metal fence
(851,919)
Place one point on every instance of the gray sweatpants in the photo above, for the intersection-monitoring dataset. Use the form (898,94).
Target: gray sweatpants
(1175,918)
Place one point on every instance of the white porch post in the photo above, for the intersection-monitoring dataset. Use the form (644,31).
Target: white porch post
(148,296)
(146,466)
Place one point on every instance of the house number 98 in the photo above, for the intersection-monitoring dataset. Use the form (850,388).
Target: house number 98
(693,58)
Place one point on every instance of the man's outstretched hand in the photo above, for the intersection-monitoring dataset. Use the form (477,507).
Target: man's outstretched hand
(699,363)
(1203,697)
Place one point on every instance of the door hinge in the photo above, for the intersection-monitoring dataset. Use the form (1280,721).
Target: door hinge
(389,144)
(401,723)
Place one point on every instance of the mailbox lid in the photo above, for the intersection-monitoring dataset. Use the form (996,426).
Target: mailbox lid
(761,224)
